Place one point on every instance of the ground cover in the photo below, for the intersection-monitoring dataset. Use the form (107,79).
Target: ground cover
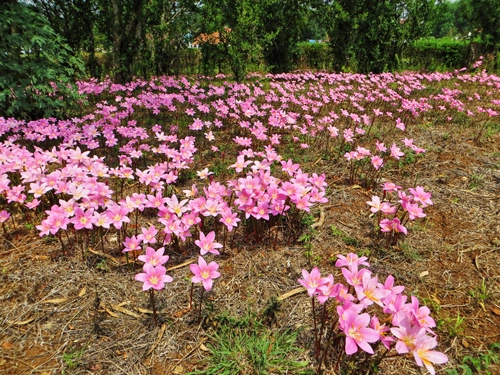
(111,219)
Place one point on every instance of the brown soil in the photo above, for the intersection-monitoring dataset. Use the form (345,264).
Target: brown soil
(60,314)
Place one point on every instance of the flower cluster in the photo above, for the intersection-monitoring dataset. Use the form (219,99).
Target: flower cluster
(364,302)
(393,213)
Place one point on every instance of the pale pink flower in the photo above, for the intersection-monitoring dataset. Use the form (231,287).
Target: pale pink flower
(311,281)
(423,354)
(207,244)
(204,273)
(154,257)
(357,333)
(153,277)
(131,244)
(4,216)
(148,235)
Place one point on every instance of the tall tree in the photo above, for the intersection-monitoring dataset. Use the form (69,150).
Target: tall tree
(485,16)
(123,21)
(75,21)
(367,36)
(284,22)
(238,24)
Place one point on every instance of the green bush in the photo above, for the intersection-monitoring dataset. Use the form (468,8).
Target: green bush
(314,56)
(36,68)
(436,54)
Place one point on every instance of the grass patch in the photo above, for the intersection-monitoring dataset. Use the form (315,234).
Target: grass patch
(253,348)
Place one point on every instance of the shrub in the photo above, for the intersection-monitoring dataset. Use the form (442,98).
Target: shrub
(36,67)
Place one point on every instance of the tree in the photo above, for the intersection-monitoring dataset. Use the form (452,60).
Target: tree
(485,17)
(368,36)
(238,24)
(122,22)
(75,21)
(36,68)
(284,22)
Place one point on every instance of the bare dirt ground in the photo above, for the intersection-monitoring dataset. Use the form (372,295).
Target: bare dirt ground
(62,315)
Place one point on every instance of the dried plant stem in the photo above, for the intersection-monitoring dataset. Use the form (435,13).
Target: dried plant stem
(152,299)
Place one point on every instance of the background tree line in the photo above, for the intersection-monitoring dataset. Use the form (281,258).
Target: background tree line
(126,38)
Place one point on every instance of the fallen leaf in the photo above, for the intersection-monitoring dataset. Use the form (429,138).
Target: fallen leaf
(144,311)
(107,256)
(2,361)
(423,274)
(23,322)
(204,348)
(125,311)
(160,335)
(290,293)
(180,313)
(495,311)
(435,299)
(178,370)
(111,313)
(181,265)
(7,345)
(40,257)
(82,292)
(56,300)
(465,343)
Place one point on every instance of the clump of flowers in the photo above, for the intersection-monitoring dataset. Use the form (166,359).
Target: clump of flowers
(354,309)
(396,208)
(154,275)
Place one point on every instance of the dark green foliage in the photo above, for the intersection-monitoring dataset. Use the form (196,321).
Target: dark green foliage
(369,36)
(284,23)
(239,38)
(36,68)
(436,54)
(314,55)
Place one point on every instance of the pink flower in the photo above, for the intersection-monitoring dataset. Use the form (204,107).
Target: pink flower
(396,152)
(357,333)
(390,186)
(377,162)
(382,331)
(353,276)
(148,235)
(229,219)
(4,216)
(117,215)
(204,173)
(311,281)
(414,211)
(83,219)
(204,273)
(375,204)
(387,225)
(369,293)
(153,277)
(400,125)
(131,244)
(407,336)
(207,244)
(420,196)
(155,258)
(424,355)
(351,260)
(327,290)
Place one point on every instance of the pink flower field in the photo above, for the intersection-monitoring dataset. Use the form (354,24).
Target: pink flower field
(361,213)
